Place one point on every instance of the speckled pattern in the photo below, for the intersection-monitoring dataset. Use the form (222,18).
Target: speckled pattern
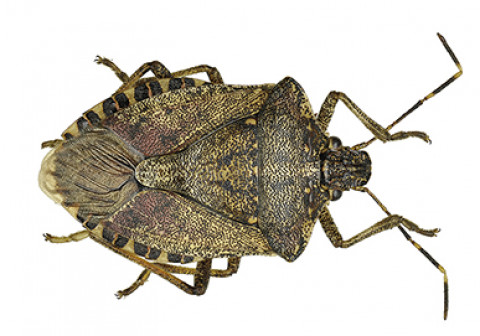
(172,169)
(170,222)
(219,171)
(173,120)
(201,171)
(289,170)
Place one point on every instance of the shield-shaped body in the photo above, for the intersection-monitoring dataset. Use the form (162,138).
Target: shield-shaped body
(205,171)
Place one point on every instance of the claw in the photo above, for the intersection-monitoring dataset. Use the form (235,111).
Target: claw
(98,59)
(420,135)
(414,227)
(415,134)
(427,139)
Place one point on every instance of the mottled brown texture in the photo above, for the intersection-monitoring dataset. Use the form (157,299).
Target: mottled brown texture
(219,171)
(173,169)
(131,93)
(173,120)
(344,169)
(247,176)
(256,179)
(286,170)
(171,222)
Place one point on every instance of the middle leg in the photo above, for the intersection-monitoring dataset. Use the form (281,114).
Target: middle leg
(212,72)
(387,223)
(158,69)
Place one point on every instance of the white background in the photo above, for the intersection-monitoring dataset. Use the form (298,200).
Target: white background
(383,54)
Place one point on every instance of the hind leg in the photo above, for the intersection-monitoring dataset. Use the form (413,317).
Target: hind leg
(232,268)
(74,237)
(201,279)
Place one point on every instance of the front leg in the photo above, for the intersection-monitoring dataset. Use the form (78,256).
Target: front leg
(387,223)
(380,133)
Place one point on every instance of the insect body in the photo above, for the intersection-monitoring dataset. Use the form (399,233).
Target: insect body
(172,170)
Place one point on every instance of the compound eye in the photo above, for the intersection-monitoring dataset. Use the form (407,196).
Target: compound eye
(336,194)
(335,143)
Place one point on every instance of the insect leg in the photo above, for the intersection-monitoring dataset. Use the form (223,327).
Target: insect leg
(200,278)
(133,287)
(430,95)
(377,130)
(232,268)
(437,265)
(74,237)
(201,275)
(212,72)
(119,73)
(51,143)
(387,223)
(158,69)
(408,224)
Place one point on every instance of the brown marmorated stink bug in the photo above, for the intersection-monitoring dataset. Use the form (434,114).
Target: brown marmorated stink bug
(172,169)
